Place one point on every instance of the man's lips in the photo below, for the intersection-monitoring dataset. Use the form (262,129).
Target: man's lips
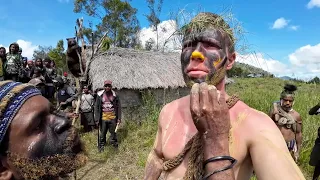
(197,73)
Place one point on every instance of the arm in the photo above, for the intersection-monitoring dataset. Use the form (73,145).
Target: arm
(154,163)
(118,112)
(221,148)
(313,110)
(267,146)
(97,109)
(299,135)
(72,94)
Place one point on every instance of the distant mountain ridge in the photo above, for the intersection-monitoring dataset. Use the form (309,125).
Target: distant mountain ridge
(245,70)
(286,78)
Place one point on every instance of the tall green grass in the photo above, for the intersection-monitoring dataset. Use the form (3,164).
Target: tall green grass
(136,139)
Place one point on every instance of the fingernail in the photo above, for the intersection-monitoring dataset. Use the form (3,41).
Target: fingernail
(195,88)
(203,84)
(211,87)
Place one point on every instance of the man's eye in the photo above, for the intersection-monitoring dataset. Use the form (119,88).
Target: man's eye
(188,44)
(209,44)
(38,127)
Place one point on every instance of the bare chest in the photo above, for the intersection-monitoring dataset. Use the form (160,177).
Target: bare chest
(179,129)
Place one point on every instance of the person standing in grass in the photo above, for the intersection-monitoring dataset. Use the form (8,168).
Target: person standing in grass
(107,111)
(87,102)
(288,120)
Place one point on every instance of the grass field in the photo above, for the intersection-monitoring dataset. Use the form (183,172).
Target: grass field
(136,140)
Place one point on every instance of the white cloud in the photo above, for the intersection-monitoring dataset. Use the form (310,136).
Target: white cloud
(280,23)
(295,28)
(306,55)
(304,63)
(27,48)
(166,29)
(313,3)
(268,64)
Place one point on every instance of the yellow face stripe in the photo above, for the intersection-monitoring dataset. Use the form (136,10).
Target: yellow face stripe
(216,63)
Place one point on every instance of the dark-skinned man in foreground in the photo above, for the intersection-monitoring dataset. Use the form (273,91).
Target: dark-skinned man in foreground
(35,141)
(208,130)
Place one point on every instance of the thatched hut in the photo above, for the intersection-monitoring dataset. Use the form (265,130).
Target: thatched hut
(133,72)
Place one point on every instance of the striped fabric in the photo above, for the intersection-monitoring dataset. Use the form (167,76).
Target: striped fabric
(12,96)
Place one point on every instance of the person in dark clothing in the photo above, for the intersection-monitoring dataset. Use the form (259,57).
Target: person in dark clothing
(13,65)
(65,95)
(2,62)
(50,74)
(39,66)
(315,157)
(107,111)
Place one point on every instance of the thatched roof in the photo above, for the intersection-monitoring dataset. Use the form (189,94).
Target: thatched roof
(134,69)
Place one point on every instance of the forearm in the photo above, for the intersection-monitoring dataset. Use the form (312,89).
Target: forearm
(153,167)
(213,148)
(299,141)
(119,112)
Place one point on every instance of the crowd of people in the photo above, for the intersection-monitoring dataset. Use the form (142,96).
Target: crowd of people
(15,67)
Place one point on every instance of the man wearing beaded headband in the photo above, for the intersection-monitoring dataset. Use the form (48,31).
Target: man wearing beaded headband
(199,134)
(35,141)
(288,120)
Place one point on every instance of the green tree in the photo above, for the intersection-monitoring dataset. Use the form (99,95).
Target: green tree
(315,80)
(58,56)
(118,20)
(42,52)
(154,17)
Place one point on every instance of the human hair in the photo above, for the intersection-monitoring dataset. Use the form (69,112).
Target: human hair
(207,20)
(288,89)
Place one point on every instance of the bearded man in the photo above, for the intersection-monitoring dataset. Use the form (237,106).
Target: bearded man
(288,120)
(209,134)
(35,141)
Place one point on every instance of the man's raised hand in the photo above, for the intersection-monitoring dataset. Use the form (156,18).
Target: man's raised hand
(209,110)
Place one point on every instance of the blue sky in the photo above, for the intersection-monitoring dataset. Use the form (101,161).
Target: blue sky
(45,22)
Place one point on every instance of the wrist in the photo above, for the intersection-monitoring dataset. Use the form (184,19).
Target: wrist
(218,146)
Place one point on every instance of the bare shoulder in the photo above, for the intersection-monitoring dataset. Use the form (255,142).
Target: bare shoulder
(297,115)
(172,107)
(262,127)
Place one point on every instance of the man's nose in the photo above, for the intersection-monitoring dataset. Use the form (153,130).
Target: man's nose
(61,125)
(197,54)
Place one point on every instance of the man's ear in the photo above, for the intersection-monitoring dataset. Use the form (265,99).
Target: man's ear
(5,172)
(231,60)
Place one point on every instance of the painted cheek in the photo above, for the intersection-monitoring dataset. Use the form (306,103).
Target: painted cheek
(185,59)
(217,62)
(212,60)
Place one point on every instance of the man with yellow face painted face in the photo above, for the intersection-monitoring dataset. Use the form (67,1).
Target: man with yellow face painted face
(209,134)
(288,120)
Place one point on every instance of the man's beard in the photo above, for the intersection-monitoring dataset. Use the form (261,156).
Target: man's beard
(53,166)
